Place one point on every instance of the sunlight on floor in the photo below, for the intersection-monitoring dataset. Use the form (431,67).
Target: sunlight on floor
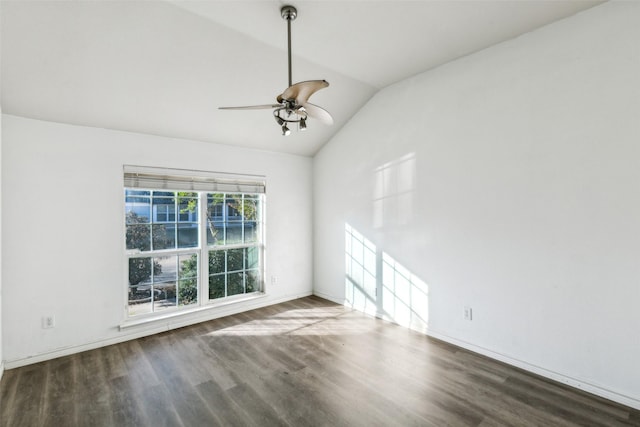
(312,321)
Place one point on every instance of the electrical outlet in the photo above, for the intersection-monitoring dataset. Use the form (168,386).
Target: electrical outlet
(468,314)
(48,322)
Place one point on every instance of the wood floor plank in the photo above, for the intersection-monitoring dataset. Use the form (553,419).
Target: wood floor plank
(136,365)
(8,394)
(92,391)
(27,400)
(157,406)
(61,389)
(226,410)
(125,407)
(175,375)
(306,362)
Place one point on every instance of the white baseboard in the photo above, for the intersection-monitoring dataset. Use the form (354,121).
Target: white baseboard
(144,330)
(329,297)
(230,310)
(595,389)
(575,383)
(1,369)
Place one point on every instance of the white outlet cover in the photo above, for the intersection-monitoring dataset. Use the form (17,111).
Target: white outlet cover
(48,322)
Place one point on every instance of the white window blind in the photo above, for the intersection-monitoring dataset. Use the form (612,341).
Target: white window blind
(187,180)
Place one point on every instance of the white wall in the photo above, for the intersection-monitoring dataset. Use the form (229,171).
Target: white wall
(1,334)
(510,184)
(63,229)
(1,330)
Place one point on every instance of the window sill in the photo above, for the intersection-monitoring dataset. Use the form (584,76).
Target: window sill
(175,315)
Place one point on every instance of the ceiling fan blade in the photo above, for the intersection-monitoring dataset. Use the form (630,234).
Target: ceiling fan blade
(302,91)
(317,113)
(251,107)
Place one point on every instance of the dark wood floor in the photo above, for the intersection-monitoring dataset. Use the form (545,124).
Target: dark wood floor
(307,362)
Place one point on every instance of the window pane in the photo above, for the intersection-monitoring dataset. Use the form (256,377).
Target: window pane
(188,291)
(188,266)
(188,285)
(139,237)
(164,296)
(164,209)
(250,232)
(139,271)
(164,269)
(215,218)
(215,205)
(234,233)
(187,195)
(139,300)
(250,208)
(169,194)
(187,235)
(252,257)
(235,285)
(233,202)
(164,236)
(216,286)
(215,232)
(132,193)
(253,281)
(188,206)
(140,288)
(235,259)
(217,262)
(137,207)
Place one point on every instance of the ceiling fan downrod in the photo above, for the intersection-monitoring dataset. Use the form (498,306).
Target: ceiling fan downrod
(289,13)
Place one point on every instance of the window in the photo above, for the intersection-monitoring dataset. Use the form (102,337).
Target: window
(233,242)
(190,248)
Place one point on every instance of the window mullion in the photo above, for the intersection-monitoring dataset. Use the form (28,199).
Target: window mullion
(242,211)
(245,254)
(226,273)
(153,278)
(176,219)
(176,260)
(203,259)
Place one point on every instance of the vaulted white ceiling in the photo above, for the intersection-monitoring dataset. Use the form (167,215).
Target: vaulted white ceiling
(164,67)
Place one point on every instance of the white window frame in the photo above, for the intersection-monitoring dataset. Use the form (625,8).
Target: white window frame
(229,184)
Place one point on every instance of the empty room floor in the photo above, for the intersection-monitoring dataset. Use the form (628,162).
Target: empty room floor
(307,362)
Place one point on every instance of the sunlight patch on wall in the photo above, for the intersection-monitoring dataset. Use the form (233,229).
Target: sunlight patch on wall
(375,283)
(393,187)
(405,298)
(360,271)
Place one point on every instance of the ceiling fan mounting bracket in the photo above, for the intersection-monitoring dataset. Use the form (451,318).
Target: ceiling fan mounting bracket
(289,13)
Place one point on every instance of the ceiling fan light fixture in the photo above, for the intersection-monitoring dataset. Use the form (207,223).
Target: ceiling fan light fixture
(285,130)
(302,125)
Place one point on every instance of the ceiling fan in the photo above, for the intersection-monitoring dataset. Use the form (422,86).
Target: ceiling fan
(293,105)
